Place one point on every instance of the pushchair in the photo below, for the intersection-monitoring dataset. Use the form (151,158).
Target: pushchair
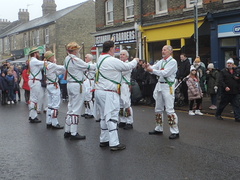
(179,97)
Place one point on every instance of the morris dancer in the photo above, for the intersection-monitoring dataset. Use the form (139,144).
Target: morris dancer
(53,90)
(107,87)
(35,67)
(126,112)
(163,94)
(75,68)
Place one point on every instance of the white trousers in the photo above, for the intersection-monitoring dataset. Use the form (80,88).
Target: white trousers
(165,100)
(88,84)
(75,104)
(53,104)
(42,100)
(125,102)
(35,88)
(107,105)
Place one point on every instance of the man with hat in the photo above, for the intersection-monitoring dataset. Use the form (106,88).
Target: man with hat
(52,71)
(75,68)
(35,67)
(229,85)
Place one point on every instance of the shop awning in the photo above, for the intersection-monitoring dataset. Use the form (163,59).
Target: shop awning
(171,30)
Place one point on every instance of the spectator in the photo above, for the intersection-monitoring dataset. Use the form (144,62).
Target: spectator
(194,91)
(201,73)
(212,81)
(229,91)
(10,86)
(63,87)
(183,71)
(3,87)
(25,86)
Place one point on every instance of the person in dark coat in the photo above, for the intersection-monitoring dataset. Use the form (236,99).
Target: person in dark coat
(230,90)
(183,71)
(212,76)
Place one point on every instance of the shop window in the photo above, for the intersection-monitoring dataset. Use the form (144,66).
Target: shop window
(129,9)
(131,48)
(228,1)
(190,3)
(109,11)
(176,44)
(228,42)
(161,6)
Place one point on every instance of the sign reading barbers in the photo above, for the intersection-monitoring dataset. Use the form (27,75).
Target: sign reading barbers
(119,37)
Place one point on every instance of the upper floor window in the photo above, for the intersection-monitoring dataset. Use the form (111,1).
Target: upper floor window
(46,35)
(109,11)
(161,6)
(191,3)
(14,42)
(129,9)
(38,37)
(25,40)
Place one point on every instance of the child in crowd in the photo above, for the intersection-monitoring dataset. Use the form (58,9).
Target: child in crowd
(194,92)
(10,86)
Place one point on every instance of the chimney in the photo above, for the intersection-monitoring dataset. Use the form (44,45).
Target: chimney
(48,7)
(23,15)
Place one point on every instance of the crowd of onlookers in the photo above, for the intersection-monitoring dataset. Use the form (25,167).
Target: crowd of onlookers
(10,77)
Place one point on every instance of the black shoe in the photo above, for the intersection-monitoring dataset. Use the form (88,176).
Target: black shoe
(77,137)
(67,135)
(35,120)
(118,147)
(49,126)
(174,136)
(121,125)
(155,132)
(104,144)
(89,116)
(57,127)
(128,126)
(219,117)
(83,115)
(98,120)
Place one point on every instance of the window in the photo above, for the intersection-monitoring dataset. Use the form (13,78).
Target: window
(14,42)
(34,38)
(25,40)
(190,3)
(129,9)
(46,35)
(161,6)
(37,37)
(109,11)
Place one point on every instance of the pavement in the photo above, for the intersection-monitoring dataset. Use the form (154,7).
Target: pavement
(206,103)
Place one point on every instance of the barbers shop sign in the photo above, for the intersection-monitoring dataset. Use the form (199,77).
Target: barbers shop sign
(119,37)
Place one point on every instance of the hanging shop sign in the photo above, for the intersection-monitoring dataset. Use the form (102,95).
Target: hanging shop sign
(119,37)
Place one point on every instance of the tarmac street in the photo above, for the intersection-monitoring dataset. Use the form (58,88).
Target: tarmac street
(207,149)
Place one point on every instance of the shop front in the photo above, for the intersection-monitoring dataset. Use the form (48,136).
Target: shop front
(124,39)
(178,34)
(225,37)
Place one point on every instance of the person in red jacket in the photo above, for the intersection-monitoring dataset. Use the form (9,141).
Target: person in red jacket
(25,86)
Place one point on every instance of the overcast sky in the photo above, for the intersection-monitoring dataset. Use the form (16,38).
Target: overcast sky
(9,8)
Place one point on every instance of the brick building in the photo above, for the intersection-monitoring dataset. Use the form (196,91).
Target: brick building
(52,31)
(155,23)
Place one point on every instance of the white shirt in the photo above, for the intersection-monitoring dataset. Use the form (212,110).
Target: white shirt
(35,68)
(52,72)
(165,68)
(76,67)
(111,68)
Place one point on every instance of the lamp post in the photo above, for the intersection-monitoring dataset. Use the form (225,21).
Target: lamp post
(195,2)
